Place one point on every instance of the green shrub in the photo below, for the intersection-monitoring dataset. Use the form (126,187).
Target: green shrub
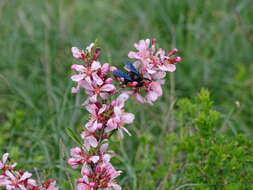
(213,159)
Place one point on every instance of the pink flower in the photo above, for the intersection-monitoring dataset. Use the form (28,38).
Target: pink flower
(143,53)
(79,157)
(19,180)
(107,174)
(94,89)
(101,178)
(86,73)
(96,120)
(89,140)
(152,90)
(77,53)
(4,165)
(149,61)
(119,117)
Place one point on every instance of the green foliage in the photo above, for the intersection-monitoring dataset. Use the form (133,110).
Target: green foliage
(208,157)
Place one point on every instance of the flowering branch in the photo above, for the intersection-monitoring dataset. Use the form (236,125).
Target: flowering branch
(106,102)
(12,179)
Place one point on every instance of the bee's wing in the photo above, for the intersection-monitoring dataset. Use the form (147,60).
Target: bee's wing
(119,73)
(131,67)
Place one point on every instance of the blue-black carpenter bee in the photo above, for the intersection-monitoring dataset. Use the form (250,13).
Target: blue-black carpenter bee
(132,75)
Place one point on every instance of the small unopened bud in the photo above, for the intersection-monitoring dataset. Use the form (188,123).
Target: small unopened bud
(108,81)
(92,184)
(175,60)
(153,41)
(97,54)
(112,68)
(173,52)
(132,84)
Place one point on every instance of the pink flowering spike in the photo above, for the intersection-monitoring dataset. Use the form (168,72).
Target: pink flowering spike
(77,53)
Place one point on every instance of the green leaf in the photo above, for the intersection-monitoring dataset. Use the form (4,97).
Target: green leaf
(74,137)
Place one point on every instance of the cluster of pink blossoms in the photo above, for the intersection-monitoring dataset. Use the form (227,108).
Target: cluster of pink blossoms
(12,179)
(106,101)
(152,65)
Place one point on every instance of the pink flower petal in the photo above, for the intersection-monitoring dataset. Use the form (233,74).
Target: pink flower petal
(108,87)
(76,53)
(92,141)
(106,157)
(103,147)
(102,109)
(77,77)
(94,159)
(92,108)
(25,176)
(121,99)
(127,118)
(97,79)
(105,68)
(74,90)
(89,47)
(86,85)
(79,68)
(5,157)
(95,65)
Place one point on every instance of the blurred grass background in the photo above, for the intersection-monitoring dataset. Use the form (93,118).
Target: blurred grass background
(215,39)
